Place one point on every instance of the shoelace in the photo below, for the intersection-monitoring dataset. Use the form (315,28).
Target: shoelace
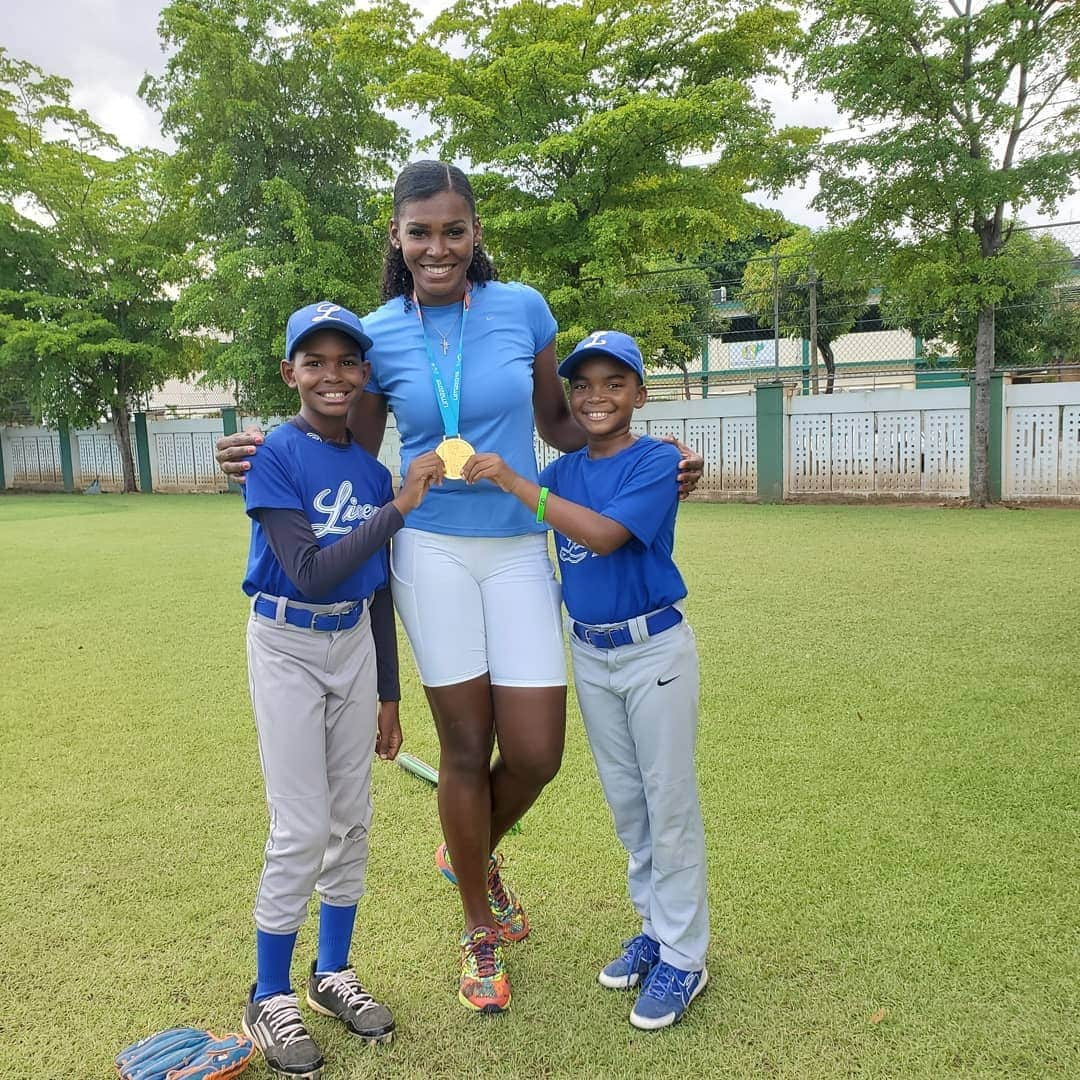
(481,947)
(347,985)
(661,982)
(497,890)
(636,950)
(282,1014)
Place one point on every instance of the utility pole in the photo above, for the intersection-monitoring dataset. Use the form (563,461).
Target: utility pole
(776,313)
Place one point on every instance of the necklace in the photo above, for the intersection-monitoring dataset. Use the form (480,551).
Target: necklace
(444,341)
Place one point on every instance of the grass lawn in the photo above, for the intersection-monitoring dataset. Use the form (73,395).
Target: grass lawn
(889,774)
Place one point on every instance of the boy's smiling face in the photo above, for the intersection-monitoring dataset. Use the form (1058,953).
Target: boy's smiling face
(603,396)
(329,371)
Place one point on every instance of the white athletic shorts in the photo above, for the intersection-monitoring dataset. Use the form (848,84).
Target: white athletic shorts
(479,604)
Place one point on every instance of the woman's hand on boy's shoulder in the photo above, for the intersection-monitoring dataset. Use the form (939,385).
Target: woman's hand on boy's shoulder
(690,468)
(388,738)
(232,452)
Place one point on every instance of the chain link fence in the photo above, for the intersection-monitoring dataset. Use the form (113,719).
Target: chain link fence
(764,325)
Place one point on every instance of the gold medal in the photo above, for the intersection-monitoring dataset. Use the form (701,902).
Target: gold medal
(454,451)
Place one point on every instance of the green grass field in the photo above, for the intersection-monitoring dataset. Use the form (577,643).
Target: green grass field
(889,774)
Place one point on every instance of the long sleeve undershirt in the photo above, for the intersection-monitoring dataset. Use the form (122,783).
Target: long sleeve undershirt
(315,571)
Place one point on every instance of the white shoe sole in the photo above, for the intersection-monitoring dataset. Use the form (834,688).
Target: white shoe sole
(622,982)
(648,1023)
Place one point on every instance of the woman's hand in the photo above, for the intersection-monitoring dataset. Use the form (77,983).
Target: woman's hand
(690,468)
(234,450)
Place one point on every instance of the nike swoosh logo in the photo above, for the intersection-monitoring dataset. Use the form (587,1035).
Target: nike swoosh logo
(664,682)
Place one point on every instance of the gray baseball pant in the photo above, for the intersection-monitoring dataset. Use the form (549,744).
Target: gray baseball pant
(316,714)
(640,706)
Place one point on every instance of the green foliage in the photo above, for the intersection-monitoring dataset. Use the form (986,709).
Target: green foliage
(973,110)
(280,146)
(970,113)
(1034,322)
(92,240)
(805,260)
(581,115)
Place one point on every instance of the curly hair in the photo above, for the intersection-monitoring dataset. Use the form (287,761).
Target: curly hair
(422,180)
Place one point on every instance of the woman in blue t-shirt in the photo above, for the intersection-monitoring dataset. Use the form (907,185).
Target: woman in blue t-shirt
(466,363)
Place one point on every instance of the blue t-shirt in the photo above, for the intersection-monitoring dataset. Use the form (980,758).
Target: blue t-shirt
(637,488)
(507,325)
(336,487)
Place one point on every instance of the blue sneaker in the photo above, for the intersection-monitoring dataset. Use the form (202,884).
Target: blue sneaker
(639,956)
(666,996)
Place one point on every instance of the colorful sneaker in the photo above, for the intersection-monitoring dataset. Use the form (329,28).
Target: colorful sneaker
(275,1027)
(340,995)
(510,918)
(640,956)
(666,995)
(484,985)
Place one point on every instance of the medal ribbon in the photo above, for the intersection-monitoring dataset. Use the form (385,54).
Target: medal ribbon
(449,403)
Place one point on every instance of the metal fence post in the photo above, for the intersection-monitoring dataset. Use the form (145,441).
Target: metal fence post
(776,313)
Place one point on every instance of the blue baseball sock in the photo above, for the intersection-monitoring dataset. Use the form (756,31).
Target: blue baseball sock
(273,958)
(335,937)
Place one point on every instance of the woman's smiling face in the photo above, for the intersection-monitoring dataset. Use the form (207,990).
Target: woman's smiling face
(437,236)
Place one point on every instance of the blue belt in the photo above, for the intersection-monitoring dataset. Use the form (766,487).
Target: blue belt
(611,637)
(311,620)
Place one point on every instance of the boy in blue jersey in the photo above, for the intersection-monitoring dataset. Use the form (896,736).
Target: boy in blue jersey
(612,506)
(322,669)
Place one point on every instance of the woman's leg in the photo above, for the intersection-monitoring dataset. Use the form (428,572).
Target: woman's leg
(464,721)
(530,726)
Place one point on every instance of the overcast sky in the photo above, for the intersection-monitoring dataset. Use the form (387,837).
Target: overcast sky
(106,46)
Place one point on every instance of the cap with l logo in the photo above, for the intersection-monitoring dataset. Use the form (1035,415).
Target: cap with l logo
(619,346)
(323,316)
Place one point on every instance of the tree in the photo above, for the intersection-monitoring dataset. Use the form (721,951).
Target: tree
(84,311)
(975,114)
(820,293)
(280,146)
(581,117)
(1035,319)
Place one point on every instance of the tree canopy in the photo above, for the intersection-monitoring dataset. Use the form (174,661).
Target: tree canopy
(820,295)
(86,320)
(969,110)
(581,118)
(281,143)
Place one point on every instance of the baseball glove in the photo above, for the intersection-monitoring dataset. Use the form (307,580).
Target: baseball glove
(185,1053)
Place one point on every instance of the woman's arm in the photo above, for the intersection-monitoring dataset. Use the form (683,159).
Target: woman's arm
(552,415)
(367,421)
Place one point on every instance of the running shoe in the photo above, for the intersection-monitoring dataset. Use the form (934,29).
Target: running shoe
(666,995)
(339,994)
(275,1026)
(640,955)
(484,984)
(510,918)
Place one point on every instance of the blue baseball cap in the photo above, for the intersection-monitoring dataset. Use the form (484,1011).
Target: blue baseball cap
(323,316)
(612,343)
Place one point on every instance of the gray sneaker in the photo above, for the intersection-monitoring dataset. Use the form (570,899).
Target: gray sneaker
(274,1025)
(339,994)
